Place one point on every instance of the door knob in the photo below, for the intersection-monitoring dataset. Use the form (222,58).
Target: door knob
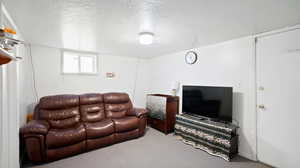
(261,106)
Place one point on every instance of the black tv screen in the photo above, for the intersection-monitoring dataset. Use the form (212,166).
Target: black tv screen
(210,102)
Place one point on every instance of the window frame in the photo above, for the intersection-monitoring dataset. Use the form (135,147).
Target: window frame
(80,54)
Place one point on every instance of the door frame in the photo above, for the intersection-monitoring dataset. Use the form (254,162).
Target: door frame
(10,104)
(256,38)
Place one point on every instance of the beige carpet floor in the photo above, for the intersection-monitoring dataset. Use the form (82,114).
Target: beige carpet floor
(153,150)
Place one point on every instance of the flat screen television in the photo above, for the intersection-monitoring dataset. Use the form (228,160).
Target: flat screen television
(214,103)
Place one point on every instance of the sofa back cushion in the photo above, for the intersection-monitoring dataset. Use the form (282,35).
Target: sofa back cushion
(92,107)
(61,111)
(117,105)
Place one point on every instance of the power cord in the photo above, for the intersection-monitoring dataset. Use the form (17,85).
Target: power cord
(135,79)
(33,73)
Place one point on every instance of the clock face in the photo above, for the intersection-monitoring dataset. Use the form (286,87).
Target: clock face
(191,57)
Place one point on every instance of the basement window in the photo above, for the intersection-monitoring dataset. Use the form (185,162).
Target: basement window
(77,62)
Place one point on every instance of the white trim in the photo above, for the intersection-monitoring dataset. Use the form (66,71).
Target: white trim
(79,51)
(80,73)
(1,112)
(255,91)
(4,123)
(92,52)
(2,164)
(13,113)
(277,31)
(9,105)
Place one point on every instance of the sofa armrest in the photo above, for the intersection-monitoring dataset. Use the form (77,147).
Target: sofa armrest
(33,136)
(35,127)
(138,112)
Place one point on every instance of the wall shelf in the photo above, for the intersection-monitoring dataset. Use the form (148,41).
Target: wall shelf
(10,40)
(8,43)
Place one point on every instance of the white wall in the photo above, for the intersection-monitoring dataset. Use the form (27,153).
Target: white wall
(50,81)
(231,63)
(27,96)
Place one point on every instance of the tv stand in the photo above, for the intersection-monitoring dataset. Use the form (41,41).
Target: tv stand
(197,116)
(216,138)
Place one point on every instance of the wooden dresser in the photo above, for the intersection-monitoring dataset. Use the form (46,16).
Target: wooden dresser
(162,111)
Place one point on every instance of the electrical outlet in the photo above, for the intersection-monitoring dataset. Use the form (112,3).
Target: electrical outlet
(110,75)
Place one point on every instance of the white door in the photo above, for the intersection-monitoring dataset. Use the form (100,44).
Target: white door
(278,99)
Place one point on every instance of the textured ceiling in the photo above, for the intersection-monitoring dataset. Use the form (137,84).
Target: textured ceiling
(112,26)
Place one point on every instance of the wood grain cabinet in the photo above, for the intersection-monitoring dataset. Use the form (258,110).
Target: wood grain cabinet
(162,111)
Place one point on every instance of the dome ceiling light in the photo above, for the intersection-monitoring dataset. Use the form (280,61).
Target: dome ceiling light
(146,38)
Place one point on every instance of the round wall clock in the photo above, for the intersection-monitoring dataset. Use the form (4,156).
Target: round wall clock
(191,57)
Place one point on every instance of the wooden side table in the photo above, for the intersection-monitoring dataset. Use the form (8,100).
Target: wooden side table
(162,111)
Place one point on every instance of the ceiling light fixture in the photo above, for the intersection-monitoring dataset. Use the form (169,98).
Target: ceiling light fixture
(146,38)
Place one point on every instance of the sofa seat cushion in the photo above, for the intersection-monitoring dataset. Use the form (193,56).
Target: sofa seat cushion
(65,137)
(99,129)
(126,124)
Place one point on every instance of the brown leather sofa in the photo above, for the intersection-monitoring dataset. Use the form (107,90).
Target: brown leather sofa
(66,125)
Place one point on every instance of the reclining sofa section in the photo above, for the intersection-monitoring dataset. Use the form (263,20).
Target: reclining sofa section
(66,125)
